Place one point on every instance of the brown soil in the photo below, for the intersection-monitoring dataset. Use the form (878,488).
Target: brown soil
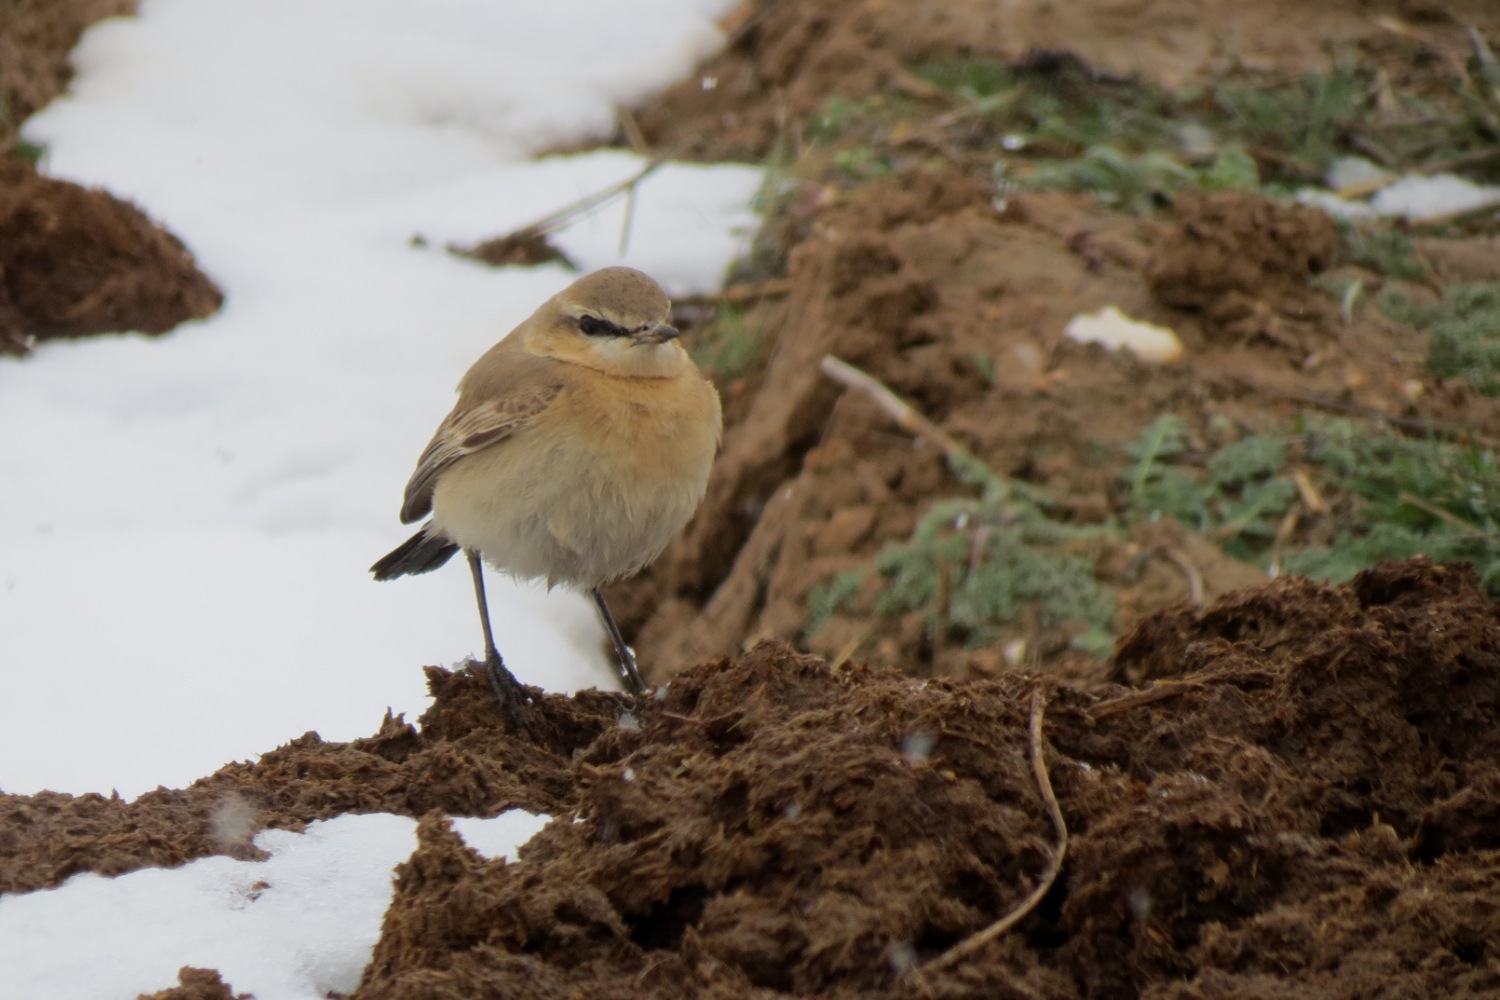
(786,58)
(1297,797)
(198,984)
(1291,790)
(35,39)
(1301,797)
(75,261)
(459,763)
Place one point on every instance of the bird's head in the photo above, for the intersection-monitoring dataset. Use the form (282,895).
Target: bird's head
(616,321)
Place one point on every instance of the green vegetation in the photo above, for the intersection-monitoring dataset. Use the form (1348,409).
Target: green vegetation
(1405,497)
(1399,307)
(1140,183)
(1464,326)
(1414,497)
(1466,337)
(1237,496)
(1382,250)
(1306,123)
(1322,497)
(1061,125)
(974,564)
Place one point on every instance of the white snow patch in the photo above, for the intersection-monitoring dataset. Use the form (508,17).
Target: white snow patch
(1113,329)
(298,926)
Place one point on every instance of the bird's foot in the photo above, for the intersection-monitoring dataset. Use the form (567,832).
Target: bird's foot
(511,694)
(629,703)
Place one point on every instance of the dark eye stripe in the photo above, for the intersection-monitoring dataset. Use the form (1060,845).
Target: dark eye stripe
(596,327)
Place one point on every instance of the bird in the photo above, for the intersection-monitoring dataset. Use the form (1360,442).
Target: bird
(580,445)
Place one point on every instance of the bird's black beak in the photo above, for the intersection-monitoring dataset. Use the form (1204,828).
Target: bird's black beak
(659,334)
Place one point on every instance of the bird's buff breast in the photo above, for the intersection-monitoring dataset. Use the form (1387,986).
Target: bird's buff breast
(592,489)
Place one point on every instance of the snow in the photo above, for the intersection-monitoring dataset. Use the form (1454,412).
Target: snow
(298,926)
(186,522)
(1114,330)
(1419,198)
(1413,197)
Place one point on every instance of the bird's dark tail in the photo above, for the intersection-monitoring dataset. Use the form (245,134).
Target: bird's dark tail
(421,553)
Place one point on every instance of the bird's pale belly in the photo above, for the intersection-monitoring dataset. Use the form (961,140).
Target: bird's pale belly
(574,512)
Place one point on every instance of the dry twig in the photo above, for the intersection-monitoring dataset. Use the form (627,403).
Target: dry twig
(978,940)
(1160,691)
(1194,578)
(535,233)
(906,417)
(1409,425)
(1283,536)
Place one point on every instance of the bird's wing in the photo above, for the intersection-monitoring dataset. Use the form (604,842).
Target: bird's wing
(469,428)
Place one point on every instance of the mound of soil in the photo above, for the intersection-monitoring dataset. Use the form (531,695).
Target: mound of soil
(78,261)
(460,762)
(1294,805)
(1293,792)
(75,261)
(198,984)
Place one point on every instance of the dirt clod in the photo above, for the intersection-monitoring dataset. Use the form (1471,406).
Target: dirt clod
(1243,260)
(197,984)
(77,261)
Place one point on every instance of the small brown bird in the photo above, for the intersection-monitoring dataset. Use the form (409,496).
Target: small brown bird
(581,443)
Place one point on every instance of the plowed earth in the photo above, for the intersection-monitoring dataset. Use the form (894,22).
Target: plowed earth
(1292,791)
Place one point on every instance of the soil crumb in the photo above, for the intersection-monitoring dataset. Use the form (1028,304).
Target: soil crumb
(1246,263)
(197,984)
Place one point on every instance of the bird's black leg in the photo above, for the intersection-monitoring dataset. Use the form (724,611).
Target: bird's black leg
(509,692)
(626,666)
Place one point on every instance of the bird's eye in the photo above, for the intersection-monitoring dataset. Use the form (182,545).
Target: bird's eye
(594,326)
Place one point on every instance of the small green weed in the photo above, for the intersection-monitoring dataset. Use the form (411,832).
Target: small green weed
(1417,497)
(1141,183)
(1466,337)
(1236,494)
(1307,122)
(1410,496)
(974,564)
(1382,250)
(825,599)
(1464,326)
(1399,307)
